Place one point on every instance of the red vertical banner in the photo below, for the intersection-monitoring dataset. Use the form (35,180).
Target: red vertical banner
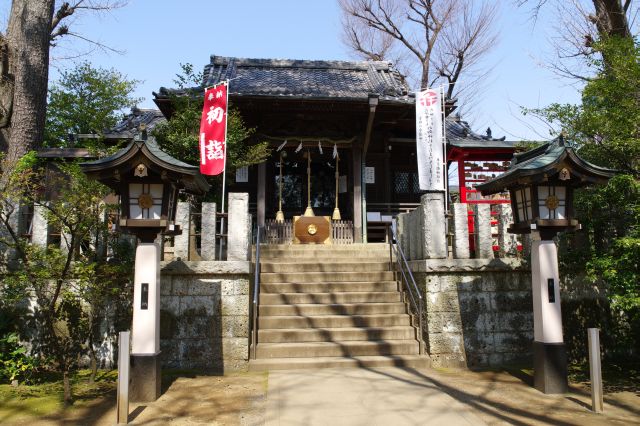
(213,130)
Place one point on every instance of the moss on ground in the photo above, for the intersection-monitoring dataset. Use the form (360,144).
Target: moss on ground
(44,396)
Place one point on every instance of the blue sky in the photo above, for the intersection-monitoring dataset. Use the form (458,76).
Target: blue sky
(156,36)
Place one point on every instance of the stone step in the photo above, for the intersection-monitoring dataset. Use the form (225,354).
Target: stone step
(339,348)
(406,361)
(351,297)
(325,255)
(333,321)
(333,309)
(335,334)
(370,247)
(328,287)
(316,277)
(321,266)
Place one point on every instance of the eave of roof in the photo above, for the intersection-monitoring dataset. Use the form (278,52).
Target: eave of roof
(546,159)
(150,149)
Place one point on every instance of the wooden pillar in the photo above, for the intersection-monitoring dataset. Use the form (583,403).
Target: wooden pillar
(357,194)
(387,173)
(262,178)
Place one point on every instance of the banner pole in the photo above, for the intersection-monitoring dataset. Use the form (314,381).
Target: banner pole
(224,170)
(444,152)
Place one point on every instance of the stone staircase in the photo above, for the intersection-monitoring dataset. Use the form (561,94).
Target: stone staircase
(332,306)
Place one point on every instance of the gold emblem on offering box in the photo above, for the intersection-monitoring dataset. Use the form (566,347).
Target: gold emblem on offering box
(552,202)
(312,229)
(145,201)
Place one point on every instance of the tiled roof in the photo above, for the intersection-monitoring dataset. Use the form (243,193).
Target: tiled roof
(459,134)
(129,127)
(548,158)
(347,80)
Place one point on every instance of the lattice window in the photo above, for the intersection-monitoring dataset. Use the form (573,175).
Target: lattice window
(401,182)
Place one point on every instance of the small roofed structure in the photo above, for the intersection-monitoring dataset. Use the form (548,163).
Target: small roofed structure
(148,180)
(541,182)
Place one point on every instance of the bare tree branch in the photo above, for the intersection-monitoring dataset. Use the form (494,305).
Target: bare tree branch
(432,41)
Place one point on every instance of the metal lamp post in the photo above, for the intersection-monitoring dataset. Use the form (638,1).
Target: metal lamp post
(541,183)
(148,181)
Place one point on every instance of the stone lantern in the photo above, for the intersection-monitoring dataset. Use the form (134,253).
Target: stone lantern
(541,183)
(148,181)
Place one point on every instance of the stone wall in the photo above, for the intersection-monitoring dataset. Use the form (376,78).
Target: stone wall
(478,311)
(204,315)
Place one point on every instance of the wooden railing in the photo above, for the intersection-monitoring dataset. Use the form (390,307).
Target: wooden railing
(342,231)
(278,232)
(282,232)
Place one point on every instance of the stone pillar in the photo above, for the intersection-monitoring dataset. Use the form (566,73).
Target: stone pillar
(484,240)
(433,229)
(414,236)
(549,352)
(208,231)
(399,231)
(39,226)
(181,242)
(238,239)
(145,330)
(508,242)
(461,231)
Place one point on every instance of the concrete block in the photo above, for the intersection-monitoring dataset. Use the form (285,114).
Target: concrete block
(442,302)
(443,322)
(166,286)
(241,286)
(461,248)
(204,287)
(235,326)
(170,304)
(474,302)
(235,348)
(235,305)
(512,301)
(199,306)
(198,327)
(208,229)
(484,239)
(239,241)
(471,282)
(446,343)
(433,226)
(181,242)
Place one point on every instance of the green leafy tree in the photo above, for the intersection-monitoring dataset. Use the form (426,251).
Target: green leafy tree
(179,135)
(605,128)
(72,284)
(86,100)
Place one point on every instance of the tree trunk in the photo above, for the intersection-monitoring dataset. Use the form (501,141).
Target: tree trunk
(66,383)
(611,18)
(26,55)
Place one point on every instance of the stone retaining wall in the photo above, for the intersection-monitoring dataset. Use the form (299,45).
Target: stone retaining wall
(478,311)
(204,315)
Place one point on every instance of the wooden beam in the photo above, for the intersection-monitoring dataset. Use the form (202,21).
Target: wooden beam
(373,103)
(357,194)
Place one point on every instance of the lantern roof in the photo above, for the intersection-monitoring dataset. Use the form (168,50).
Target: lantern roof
(109,170)
(545,162)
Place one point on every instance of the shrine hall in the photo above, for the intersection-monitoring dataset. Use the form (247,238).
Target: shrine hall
(342,135)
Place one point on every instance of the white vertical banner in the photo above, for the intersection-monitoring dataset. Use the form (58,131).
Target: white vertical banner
(429,146)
